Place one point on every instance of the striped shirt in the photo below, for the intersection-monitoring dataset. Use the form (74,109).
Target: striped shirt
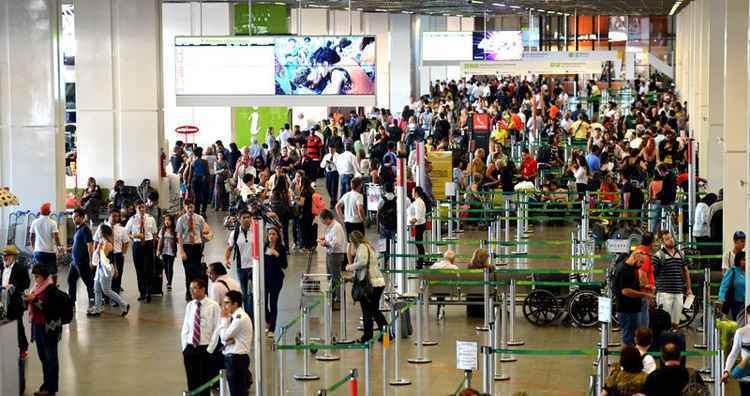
(668,270)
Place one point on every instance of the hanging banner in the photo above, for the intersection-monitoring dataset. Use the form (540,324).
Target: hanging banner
(442,171)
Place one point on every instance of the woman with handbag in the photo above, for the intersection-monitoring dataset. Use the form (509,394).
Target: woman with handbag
(732,290)
(105,271)
(367,284)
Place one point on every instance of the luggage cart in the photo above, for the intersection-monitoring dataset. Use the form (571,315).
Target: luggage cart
(313,287)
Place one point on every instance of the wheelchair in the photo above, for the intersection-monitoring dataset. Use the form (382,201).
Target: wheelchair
(549,302)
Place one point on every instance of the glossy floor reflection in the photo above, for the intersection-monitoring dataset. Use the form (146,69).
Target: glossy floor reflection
(140,355)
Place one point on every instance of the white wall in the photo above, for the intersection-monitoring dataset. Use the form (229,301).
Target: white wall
(377,24)
(187,19)
(401,61)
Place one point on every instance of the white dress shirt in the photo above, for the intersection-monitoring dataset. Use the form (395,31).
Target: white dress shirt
(182,230)
(284,138)
(417,210)
(119,236)
(210,314)
(701,228)
(236,332)
(329,158)
(44,230)
(149,226)
(346,163)
(335,238)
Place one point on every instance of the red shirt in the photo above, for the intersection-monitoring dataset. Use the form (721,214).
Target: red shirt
(647,266)
(313,146)
(528,167)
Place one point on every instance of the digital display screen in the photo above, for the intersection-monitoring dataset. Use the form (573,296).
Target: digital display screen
(324,65)
(446,46)
(505,45)
(274,66)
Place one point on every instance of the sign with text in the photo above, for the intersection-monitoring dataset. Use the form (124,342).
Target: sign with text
(605,309)
(442,171)
(466,355)
(618,245)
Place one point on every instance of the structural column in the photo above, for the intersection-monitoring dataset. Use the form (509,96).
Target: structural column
(713,92)
(120,132)
(401,62)
(31,103)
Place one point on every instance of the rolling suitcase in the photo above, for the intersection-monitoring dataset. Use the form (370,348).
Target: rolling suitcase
(158,277)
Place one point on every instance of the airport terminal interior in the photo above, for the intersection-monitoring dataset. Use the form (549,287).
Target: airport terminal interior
(368,197)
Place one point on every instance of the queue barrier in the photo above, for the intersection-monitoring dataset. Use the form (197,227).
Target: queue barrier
(351,378)
(219,378)
(588,352)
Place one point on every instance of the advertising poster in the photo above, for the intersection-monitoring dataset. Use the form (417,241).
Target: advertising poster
(329,65)
(446,46)
(267,19)
(253,122)
(442,171)
(492,46)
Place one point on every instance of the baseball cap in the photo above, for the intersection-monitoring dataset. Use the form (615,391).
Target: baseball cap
(46,208)
(739,235)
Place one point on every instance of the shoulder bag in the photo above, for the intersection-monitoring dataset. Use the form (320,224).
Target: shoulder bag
(362,289)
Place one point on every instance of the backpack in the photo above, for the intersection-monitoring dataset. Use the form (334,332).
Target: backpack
(387,214)
(59,306)
(317,204)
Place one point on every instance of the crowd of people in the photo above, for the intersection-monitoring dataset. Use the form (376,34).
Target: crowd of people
(626,155)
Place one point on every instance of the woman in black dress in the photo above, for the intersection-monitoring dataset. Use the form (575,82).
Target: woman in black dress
(308,229)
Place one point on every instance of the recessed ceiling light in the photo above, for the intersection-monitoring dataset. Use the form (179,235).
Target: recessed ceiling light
(279,3)
(318,5)
(498,5)
(407,12)
(675,7)
(476,2)
(515,7)
(381,10)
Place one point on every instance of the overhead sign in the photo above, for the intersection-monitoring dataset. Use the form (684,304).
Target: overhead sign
(466,355)
(545,63)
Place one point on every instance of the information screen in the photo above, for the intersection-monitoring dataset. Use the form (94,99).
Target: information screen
(224,66)
(275,66)
(506,45)
(446,46)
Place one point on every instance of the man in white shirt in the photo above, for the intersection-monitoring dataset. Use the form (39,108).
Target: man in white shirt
(221,282)
(347,166)
(191,229)
(270,138)
(236,332)
(120,246)
(142,230)
(239,253)
(201,319)
(351,208)
(334,241)
(286,133)
(332,174)
(46,240)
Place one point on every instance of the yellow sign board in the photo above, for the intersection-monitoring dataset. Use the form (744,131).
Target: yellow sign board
(442,171)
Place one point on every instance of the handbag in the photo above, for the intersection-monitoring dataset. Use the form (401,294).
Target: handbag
(727,304)
(362,289)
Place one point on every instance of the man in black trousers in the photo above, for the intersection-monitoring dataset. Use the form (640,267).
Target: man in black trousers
(201,318)
(142,230)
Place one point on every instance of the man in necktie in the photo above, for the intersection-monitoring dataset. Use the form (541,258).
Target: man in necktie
(142,229)
(201,318)
(190,230)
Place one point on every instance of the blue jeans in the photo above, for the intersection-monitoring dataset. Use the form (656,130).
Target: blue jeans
(628,326)
(643,316)
(345,184)
(246,283)
(47,259)
(46,346)
(103,286)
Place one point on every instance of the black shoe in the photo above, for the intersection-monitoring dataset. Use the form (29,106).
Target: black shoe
(141,298)
(363,340)
(148,299)
(125,311)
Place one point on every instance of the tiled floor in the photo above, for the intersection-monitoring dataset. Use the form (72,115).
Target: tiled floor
(140,355)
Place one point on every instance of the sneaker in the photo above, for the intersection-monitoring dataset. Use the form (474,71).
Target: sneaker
(169,288)
(270,334)
(125,311)
(94,313)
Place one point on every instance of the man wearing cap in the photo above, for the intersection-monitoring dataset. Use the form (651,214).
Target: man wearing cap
(15,281)
(46,240)
(739,245)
